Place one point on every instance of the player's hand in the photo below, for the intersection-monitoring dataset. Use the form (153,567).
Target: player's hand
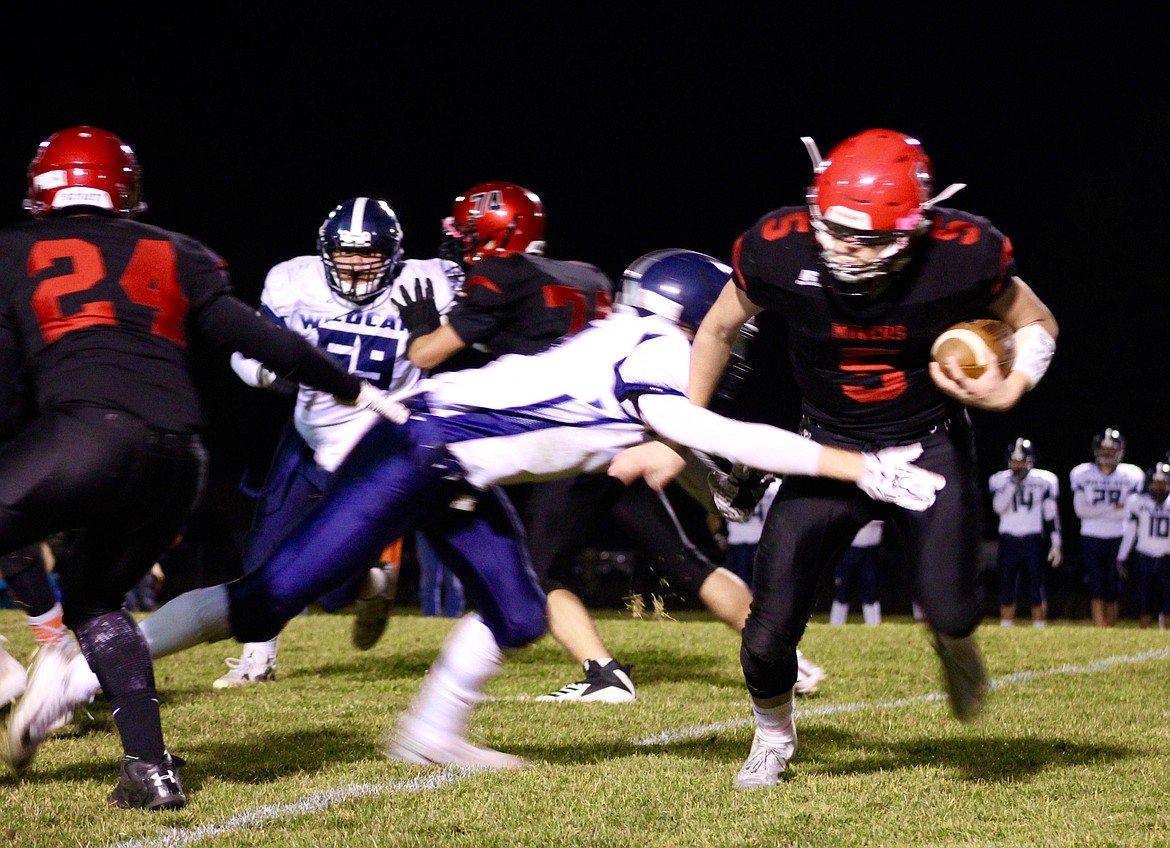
(991,390)
(1055,555)
(381,403)
(890,477)
(1122,570)
(655,462)
(737,494)
(419,314)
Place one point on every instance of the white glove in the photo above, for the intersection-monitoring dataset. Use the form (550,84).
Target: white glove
(890,477)
(1055,555)
(380,402)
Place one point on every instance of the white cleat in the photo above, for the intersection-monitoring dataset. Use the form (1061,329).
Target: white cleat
(408,745)
(767,761)
(13,677)
(252,667)
(47,705)
(808,675)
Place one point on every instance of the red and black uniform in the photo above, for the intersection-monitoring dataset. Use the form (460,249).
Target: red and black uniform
(861,364)
(99,314)
(522,304)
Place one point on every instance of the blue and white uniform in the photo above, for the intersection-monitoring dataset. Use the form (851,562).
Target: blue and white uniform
(567,411)
(369,341)
(1147,538)
(1028,516)
(1099,502)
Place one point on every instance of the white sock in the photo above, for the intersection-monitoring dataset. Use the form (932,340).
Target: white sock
(1006,622)
(601,661)
(838,613)
(1039,623)
(872,613)
(470,657)
(192,618)
(261,650)
(374,584)
(774,724)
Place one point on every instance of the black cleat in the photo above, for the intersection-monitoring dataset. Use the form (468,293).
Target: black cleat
(149,786)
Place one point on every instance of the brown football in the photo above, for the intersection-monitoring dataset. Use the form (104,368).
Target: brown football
(977,344)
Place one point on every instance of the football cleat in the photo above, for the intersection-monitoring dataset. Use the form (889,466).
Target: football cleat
(251,667)
(609,684)
(808,675)
(13,677)
(372,613)
(963,674)
(768,761)
(48,703)
(412,744)
(149,786)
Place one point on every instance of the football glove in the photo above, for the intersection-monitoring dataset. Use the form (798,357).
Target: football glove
(419,314)
(737,494)
(890,477)
(381,403)
(1055,555)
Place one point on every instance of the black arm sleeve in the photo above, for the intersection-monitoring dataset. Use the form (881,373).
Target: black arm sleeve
(233,325)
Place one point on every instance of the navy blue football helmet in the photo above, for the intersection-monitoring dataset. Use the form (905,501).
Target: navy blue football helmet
(1108,447)
(1021,457)
(677,284)
(1158,481)
(357,231)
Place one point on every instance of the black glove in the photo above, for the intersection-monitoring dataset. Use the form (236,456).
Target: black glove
(737,494)
(419,314)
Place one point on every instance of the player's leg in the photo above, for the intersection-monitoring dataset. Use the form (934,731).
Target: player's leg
(870,575)
(1009,578)
(810,525)
(1035,564)
(483,548)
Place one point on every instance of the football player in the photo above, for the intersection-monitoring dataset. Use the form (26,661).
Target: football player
(865,275)
(1147,540)
(1025,499)
(568,410)
(101,309)
(861,562)
(516,300)
(340,298)
(1100,489)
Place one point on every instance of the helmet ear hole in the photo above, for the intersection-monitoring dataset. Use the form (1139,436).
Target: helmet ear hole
(680,285)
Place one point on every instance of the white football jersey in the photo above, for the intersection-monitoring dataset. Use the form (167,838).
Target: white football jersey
(1099,498)
(1147,526)
(869,535)
(367,340)
(563,411)
(1023,508)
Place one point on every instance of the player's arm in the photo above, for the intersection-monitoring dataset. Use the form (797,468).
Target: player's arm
(434,348)
(714,341)
(1001,497)
(1035,341)
(887,476)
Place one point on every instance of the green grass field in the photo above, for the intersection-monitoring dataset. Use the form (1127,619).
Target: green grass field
(1073,749)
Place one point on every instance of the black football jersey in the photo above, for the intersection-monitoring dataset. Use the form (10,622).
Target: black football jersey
(523,303)
(862,364)
(100,311)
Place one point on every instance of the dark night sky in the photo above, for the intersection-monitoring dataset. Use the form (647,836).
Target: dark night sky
(642,127)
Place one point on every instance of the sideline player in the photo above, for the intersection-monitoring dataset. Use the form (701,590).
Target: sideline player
(1025,499)
(100,310)
(866,275)
(341,300)
(568,410)
(1100,489)
(1147,540)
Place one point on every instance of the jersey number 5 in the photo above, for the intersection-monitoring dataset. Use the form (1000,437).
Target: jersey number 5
(150,280)
(885,382)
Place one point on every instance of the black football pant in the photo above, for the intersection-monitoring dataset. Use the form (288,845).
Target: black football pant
(558,514)
(812,523)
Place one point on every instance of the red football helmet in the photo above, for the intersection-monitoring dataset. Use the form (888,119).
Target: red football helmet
(84,166)
(493,219)
(870,191)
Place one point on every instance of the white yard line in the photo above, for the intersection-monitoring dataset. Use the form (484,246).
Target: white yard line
(174,837)
(671,736)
